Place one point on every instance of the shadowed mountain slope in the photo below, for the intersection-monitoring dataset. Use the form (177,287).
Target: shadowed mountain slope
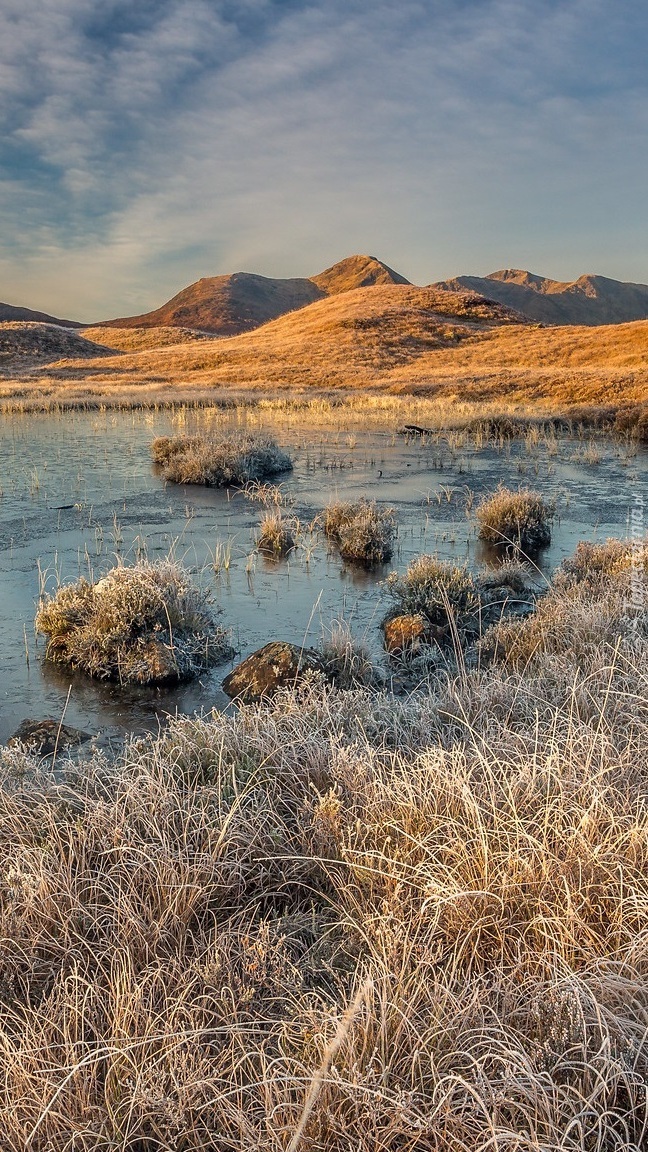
(9,312)
(228,305)
(589,300)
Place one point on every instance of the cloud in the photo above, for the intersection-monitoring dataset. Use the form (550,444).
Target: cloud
(147,145)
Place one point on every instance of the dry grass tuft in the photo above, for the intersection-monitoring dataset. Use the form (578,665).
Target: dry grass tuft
(521,520)
(597,563)
(348,660)
(277,534)
(438,591)
(362,530)
(141,625)
(588,610)
(236,459)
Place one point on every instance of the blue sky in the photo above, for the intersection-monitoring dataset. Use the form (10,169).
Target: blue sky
(147,144)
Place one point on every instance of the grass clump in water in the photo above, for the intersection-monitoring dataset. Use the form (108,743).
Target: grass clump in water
(237,459)
(277,534)
(146,624)
(436,590)
(521,520)
(362,530)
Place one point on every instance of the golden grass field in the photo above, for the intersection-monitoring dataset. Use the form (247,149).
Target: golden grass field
(394,339)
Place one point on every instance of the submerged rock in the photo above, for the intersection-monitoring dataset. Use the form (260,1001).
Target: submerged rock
(276,665)
(46,736)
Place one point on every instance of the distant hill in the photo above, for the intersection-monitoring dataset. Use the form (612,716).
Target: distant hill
(241,301)
(8,312)
(589,300)
(27,345)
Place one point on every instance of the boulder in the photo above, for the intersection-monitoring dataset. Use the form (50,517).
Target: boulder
(406,633)
(44,736)
(276,665)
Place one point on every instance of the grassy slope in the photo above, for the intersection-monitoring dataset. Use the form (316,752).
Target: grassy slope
(391,338)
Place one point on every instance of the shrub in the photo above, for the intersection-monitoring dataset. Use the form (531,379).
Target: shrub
(236,459)
(141,625)
(277,534)
(519,519)
(362,530)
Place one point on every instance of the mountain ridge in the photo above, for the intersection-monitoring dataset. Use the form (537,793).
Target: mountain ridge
(589,300)
(241,301)
(10,313)
(238,302)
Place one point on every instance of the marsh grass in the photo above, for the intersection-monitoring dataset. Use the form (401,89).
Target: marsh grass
(347,659)
(584,614)
(342,920)
(277,534)
(236,459)
(439,591)
(521,520)
(362,530)
(143,624)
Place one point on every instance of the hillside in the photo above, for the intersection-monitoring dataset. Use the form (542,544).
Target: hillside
(26,345)
(457,348)
(590,300)
(241,301)
(10,313)
(138,339)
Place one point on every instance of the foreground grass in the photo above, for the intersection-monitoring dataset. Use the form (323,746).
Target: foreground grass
(344,921)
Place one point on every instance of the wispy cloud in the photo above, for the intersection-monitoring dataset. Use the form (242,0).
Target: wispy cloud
(145,145)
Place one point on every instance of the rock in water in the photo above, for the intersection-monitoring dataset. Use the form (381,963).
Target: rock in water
(276,665)
(43,736)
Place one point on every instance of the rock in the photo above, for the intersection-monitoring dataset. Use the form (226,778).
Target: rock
(271,667)
(406,633)
(40,736)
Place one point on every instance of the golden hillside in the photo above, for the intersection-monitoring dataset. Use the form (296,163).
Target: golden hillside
(391,338)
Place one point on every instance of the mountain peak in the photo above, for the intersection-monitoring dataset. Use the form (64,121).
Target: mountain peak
(356,272)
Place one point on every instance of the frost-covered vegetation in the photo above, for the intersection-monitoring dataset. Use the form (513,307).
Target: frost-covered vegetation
(140,625)
(342,919)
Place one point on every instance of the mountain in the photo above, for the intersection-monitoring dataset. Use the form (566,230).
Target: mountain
(8,313)
(589,300)
(241,301)
(356,272)
(457,348)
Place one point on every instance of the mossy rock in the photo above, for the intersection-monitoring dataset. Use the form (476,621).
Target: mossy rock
(276,665)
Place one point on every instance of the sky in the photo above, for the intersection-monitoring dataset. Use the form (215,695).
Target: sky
(147,143)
